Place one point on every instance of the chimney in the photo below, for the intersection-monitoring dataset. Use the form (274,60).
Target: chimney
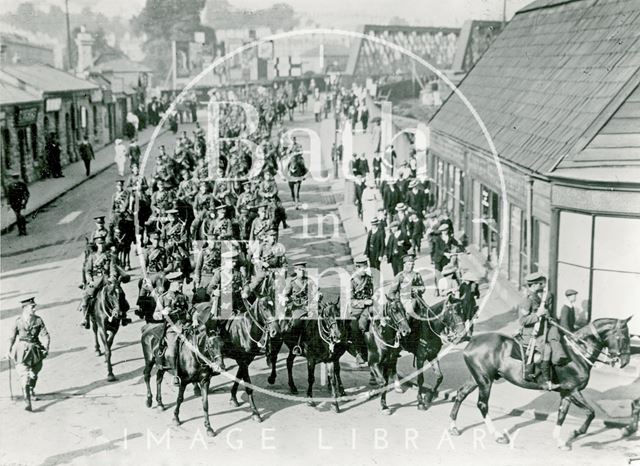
(84,42)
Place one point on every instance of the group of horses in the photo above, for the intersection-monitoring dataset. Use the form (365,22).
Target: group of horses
(326,336)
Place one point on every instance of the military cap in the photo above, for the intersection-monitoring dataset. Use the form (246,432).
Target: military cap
(361,259)
(28,301)
(172,211)
(120,181)
(174,276)
(375,221)
(401,206)
(570,292)
(270,231)
(444,227)
(448,270)
(299,264)
(99,219)
(409,258)
(394,224)
(221,207)
(535,277)
(229,254)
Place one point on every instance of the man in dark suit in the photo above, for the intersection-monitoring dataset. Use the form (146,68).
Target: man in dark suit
(567,315)
(377,168)
(18,196)
(397,247)
(390,198)
(375,246)
(86,154)
(416,199)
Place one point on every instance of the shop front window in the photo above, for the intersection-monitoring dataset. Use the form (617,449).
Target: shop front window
(490,202)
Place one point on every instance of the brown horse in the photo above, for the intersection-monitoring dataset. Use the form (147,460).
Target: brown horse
(105,318)
(199,358)
(383,346)
(488,358)
(439,324)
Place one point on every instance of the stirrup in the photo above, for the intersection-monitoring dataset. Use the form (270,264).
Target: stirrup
(297,351)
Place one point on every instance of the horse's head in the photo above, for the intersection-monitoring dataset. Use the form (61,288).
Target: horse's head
(213,350)
(614,335)
(267,312)
(454,324)
(329,313)
(396,316)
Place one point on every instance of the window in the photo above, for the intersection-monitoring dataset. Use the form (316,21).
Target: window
(540,247)
(490,204)
(95,120)
(6,147)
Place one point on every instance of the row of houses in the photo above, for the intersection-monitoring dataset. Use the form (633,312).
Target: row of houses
(39,102)
(558,93)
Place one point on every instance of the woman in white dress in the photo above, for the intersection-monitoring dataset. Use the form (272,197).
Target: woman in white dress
(120,156)
(371,201)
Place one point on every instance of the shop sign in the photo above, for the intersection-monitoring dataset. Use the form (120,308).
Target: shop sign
(53,105)
(26,116)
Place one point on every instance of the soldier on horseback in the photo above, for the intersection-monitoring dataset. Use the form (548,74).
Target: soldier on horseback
(101,267)
(299,292)
(534,314)
(361,305)
(408,286)
(228,286)
(172,306)
(28,347)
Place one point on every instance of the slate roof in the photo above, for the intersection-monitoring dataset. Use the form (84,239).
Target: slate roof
(47,78)
(546,78)
(11,95)
(120,65)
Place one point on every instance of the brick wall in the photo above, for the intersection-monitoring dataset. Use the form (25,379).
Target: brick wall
(29,166)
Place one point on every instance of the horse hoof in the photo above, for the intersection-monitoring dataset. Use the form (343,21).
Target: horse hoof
(564,447)
(210,432)
(149,402)
(160,407)
(234,402)
(342,393)
(335,408)
(386,411)
(256,417)
(311,403)
(398,389)
(502,440)
(176,422)
(575,434)
(293,390)
(271,380)
(454,431)
(371,394)
(422,407)
(111,378)
(98,353)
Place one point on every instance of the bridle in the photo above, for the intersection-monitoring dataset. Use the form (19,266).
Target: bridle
(384,323)
(268,320)
(325,331)
(598,347)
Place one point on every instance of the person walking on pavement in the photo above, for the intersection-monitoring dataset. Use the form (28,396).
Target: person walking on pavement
(53,151)
(120,157)
(370,203)
(134,153)
(28,347)
(375,245)
(18,196)
(86,154)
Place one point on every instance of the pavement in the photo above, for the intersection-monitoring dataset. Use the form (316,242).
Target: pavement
(610,389)
(45,191)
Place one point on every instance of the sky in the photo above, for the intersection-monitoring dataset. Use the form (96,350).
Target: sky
(338,13)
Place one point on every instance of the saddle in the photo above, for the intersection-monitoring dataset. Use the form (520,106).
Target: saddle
(518,351)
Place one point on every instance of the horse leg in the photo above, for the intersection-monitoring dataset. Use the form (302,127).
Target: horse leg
(563,409)
(336,370)
(311,378)
(159,377)
(255,414)
(176,412)
(274,349)
(204,389)
(431,393)
(484,385)
(387,369)
(333,382)
(105,340)
(579,400)
(233,401)
(419,365)
(147,380)
(95,337)
(462,393)
(292,386)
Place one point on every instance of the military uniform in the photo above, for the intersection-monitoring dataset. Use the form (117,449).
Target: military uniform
(28,347)
(408,286)
(228,288)
(299,294)
(172,306)
(207,262)
(361,306)
(18,195)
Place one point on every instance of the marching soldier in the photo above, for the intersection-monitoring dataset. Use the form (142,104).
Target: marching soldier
(361,305)
(28,347)
(408,285)
(533,316)
(18,195)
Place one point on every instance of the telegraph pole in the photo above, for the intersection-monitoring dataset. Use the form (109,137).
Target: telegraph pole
(66,6)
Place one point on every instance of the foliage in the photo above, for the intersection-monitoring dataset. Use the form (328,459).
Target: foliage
(221,15)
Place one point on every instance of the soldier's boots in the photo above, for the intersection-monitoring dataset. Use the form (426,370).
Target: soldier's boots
(545,376)
(27,397)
